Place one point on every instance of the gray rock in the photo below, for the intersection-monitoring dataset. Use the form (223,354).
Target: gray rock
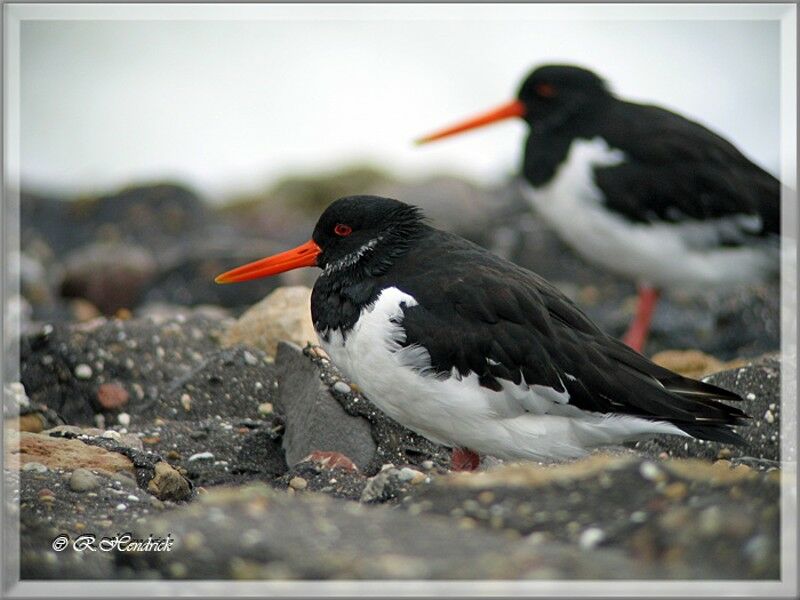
(257,533)
(110,275)
(83,480)
(314,420)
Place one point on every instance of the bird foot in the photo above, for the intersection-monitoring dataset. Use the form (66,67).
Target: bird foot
(464,460)
(331,460)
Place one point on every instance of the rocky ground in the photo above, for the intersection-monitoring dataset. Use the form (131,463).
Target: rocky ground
(153,404)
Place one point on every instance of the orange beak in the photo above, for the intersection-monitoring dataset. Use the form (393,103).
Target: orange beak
(512,109)
(304,255)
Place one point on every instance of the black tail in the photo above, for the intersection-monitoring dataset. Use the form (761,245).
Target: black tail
(713,433)
(695,407)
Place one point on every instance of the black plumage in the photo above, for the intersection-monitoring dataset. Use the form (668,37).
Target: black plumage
(478,313)
(674,169)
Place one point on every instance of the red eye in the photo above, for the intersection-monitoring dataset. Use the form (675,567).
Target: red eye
(342,230)
(546,90)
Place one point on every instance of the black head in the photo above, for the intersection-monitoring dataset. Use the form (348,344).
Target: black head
(356,237)
(363,233)
(553,93)
(548,97)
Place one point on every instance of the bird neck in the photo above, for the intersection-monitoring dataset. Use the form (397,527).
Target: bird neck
(339,297)
(549,142)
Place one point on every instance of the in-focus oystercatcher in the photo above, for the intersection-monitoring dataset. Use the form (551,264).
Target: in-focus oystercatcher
(640,190)
(475,352)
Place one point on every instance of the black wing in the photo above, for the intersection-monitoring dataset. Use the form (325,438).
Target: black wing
(677,168)
(502,322)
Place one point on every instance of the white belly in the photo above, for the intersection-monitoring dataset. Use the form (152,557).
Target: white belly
(458,412)
(659,254)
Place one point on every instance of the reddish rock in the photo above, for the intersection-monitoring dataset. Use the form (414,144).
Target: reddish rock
(112,396)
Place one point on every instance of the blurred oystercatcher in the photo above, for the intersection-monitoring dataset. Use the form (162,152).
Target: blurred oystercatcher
(475,352)
(640,190)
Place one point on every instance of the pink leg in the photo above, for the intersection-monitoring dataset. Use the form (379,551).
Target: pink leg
(464,460)
(636,335)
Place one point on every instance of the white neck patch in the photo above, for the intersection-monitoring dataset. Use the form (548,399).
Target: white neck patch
(348,260)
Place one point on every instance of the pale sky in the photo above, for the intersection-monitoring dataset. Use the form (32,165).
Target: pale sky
(229,106)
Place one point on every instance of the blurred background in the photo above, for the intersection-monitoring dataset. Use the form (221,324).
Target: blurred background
(156,154)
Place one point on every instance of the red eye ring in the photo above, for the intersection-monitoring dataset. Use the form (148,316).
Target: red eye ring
(546,90)
(342,230)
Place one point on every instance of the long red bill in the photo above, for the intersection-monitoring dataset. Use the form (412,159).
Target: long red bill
(304,255)
(512,109)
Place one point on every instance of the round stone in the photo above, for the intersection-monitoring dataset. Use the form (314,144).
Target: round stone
(83,371)
(83,480)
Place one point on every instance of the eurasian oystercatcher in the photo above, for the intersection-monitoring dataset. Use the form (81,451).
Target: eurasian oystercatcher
(475,352)
(640,190)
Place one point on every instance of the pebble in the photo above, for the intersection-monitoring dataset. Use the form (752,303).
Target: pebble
(83,371)
(112,435)
(186,402)
(591,537)
(121,506)
(769,417)
(298,483)
(427,465)
(36,467)
(112,395)
(265,408)
(83,480)
(124,419)
(650,471)
(249,358)
(16,390)
(675,491)
(710,521)
(412,475)
(124,480)
(46,495)
(201,456)
(341,387)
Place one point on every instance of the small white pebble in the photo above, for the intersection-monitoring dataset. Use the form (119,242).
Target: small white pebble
(751,396)
(249,358)
(124,419)
(186,402)
(591,537)
(772,407)
(649,471)
(341,387)
(259,385)
(201,456)
(265,408)
(112,435)
(769,417)
(133,498)
(639,516)
(83,371)
(121,506)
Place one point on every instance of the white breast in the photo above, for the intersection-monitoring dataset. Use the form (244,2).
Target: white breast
(517,422)
(661,254)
